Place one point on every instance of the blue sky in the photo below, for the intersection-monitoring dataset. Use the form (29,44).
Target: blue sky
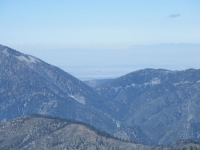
(99,24)
(71,26)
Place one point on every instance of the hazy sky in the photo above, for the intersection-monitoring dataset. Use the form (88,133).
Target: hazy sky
(98,23)
(91,28)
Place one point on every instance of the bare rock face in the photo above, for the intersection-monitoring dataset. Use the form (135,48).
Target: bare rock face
(28,85)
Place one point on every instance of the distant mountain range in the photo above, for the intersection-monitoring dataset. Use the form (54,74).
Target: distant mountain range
(151,106)
(96,83)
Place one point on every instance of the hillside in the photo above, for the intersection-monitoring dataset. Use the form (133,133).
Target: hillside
(29,85)
(42,132)
(150,106)
(163,104)
(45,132)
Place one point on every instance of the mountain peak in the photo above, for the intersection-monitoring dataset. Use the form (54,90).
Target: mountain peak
(29,85)
(1,46)
(6,51)
(9,52)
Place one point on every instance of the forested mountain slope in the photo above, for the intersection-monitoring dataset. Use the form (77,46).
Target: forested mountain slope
(29,85)
(164,104)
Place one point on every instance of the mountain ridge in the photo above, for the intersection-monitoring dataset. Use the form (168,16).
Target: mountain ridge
(163,103)
(151,106)
(46,132)
(29,85)
(40,132)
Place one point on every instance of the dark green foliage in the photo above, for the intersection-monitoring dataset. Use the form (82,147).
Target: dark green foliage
(71,121)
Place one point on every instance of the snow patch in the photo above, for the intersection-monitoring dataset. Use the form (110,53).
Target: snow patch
(185,82)
(133,85)
(117,88)
(27,59)
(154,81)
(190,117)
(6,52)
(78,98)
(134,134)
(117,124)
